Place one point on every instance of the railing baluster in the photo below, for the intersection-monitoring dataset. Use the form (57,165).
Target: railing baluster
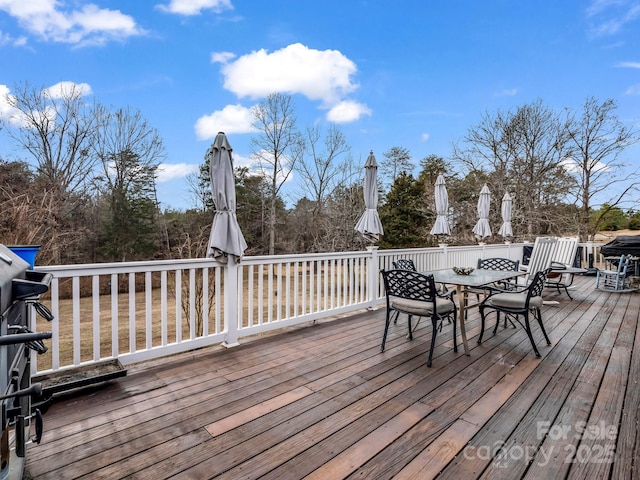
(76,320)
(115,317)
(163,308)
(132,313)
(95,296)
(178,296)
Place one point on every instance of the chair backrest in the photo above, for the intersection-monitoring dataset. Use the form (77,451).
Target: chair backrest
(623,265)
(566,250)
(404,264)
(503,264)
(409,284)
(536,286)
(542,254)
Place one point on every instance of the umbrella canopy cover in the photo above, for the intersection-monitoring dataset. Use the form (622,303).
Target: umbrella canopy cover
(226,237)
(369,224)
(482,228)
(505,208)
(441,227)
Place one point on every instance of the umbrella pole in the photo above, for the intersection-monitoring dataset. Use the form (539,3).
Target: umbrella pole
(231,303)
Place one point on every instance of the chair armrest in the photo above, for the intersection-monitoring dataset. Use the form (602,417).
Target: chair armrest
(495,290)
(557,265)
(448,294)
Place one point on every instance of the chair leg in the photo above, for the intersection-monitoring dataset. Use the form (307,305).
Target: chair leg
(410,329)
(527,327)
(434,324)
(386,329)
(455,341)
(538,315)
(495,328)
(482,319)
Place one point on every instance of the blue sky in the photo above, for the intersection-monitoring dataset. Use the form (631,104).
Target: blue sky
(416,74)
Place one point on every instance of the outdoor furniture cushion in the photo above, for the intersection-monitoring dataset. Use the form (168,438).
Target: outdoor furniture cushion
(421,308)
(515,300)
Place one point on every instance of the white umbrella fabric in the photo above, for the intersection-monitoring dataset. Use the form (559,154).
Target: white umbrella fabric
(226,237)
(482,228)
(505,208)
(441,227)
(369,224)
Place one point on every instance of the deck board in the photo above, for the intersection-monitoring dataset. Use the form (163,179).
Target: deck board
(321,401)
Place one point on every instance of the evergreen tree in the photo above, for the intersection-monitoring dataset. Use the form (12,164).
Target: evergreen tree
(130,225)
(405,219)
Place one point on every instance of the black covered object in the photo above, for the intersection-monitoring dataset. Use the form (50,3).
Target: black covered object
(622,245)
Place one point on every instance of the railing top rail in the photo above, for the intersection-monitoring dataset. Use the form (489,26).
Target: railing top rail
(126,267)
(177,264)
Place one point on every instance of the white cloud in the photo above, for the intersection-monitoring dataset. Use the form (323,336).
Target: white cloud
(195,7)
(347,111)
(16,118)
(64,89)
(424,137)
(7,39)
(508,92)
(598,6)
(610,16)
(7,112)
(242,161)
(629,64)
(90,25)
(231,119)
(222,57)
(574,165)
(323,75)
(633,90)
(171,171)
(319,75)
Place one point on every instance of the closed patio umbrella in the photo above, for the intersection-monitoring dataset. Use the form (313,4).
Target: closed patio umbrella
(482,228)
(441,227)
(505,208)
(369,224)
(226,237)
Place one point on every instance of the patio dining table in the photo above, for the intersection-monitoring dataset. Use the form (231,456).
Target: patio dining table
(556,277)
(477,279)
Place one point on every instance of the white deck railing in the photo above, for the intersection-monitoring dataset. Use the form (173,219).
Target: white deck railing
(137,311)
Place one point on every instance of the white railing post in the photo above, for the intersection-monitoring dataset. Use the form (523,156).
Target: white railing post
(372,277)
(231,289)
(444,261)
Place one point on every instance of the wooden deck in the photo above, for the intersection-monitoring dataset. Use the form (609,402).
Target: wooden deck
(322,402)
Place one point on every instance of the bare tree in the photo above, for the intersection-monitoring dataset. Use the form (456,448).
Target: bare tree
(276,149)
(55,126)
(598,138)
(523,151)
(323,171)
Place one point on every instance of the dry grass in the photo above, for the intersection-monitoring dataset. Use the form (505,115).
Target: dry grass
(102,328)
(606,236)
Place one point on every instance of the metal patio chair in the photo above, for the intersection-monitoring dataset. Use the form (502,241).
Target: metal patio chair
(404,264)
(416,295)
(501,264)
(518,304)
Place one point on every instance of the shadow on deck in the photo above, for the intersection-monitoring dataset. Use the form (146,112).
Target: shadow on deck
(322,402)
